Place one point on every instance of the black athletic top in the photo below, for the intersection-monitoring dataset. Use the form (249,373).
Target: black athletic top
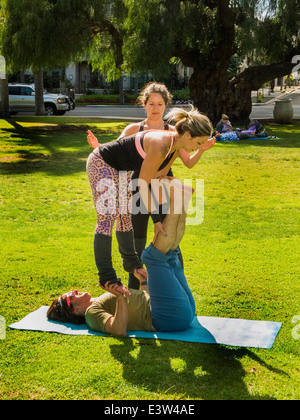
(127,153)
(142,126)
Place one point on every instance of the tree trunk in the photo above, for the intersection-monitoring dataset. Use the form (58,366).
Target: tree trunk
(39,93)
(214,95)
(4,97)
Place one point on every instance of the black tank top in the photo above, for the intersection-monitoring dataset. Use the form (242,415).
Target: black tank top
(123,155)
(142,126)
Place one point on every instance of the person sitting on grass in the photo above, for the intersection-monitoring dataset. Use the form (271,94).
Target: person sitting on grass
(223,126)
(164,301)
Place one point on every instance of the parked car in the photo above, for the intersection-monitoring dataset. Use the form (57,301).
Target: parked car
(21,98)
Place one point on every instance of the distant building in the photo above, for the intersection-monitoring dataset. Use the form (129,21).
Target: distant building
(81,78)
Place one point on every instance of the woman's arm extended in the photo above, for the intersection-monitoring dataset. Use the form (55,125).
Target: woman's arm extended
(191,161)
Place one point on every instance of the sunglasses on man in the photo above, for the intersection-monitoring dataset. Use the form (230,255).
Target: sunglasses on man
(68,296)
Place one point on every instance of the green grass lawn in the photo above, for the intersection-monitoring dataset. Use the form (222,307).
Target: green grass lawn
(241,262)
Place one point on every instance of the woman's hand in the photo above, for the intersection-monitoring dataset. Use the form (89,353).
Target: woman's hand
(141,274)
(92,140)
(116,289)
(209,144)
(158,228)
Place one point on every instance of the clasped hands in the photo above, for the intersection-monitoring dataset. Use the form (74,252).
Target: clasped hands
(121,290)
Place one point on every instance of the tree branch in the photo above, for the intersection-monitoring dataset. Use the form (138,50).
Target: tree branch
(223,46)
(258,75)
(188,58)
(107,26)
(226,31)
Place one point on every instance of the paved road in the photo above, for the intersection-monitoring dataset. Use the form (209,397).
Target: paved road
(259,111)
(132,113)
(265,111)
(135,113)
(262,112)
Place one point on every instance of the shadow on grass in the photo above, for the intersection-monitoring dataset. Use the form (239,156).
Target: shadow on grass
(58,164)
(62,149)
(202,371)
(55,149)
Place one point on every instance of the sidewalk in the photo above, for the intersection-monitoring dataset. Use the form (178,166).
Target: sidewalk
(269,96)
(265,110)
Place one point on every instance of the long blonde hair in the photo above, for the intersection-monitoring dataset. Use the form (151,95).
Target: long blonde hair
(193,121)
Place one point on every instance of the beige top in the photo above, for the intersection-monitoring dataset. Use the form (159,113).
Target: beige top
(138,306)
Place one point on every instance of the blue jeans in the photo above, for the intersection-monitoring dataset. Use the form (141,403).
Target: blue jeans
(171,300)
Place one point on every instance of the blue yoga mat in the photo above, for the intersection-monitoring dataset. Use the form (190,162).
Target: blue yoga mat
(253,138)
(210,330)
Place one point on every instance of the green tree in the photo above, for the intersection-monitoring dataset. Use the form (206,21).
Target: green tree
(50,33)
(4,98)
(107,45)
(210,36)
(42,34)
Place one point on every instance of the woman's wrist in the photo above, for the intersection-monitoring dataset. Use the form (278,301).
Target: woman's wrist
(155,217)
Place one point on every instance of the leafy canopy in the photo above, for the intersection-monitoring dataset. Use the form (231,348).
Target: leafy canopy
(141,35)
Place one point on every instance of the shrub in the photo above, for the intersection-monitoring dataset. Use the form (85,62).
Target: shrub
(115,99)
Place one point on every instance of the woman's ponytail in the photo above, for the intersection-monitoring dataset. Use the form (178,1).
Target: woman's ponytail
(192,121)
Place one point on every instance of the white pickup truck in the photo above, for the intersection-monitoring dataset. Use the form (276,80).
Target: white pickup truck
(21,98)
